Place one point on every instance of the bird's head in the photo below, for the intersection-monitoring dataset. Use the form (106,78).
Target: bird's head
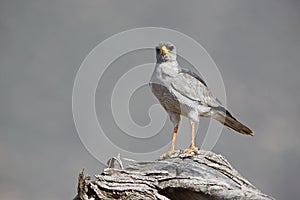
(165,52)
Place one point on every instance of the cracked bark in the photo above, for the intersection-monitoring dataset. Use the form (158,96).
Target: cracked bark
(195,177)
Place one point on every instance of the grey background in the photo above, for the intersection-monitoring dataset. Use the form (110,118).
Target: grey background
(256,45)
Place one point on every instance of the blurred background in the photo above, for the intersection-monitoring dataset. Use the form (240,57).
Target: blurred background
(255,44)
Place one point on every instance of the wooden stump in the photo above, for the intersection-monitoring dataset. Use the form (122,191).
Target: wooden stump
(203,176)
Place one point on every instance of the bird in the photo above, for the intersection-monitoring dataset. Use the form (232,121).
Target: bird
(182,92)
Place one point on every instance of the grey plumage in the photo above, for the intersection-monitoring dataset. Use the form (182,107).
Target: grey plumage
(182,92)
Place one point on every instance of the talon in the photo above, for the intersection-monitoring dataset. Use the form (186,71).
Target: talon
(191,150)
(169,154)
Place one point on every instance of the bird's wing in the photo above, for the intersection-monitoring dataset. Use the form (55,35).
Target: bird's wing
(193,87)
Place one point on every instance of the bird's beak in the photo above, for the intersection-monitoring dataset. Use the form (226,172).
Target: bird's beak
(164,50)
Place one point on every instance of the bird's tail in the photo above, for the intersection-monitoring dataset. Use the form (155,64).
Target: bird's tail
(222,115)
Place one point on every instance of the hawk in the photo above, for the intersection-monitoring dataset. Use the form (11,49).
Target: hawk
(182,92)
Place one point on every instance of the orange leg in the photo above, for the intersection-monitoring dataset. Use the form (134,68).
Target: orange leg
(192,147)
(172,149)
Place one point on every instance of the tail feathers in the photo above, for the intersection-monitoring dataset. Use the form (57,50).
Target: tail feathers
(224,116)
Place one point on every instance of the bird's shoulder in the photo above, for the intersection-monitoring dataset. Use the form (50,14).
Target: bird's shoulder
(189,72)
(193,87)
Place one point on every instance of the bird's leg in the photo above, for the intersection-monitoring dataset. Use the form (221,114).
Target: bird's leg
(192,147)
(172,149)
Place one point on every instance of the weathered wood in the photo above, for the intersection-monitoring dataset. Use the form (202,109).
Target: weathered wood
(202,176)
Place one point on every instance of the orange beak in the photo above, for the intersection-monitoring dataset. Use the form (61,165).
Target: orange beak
(164,50)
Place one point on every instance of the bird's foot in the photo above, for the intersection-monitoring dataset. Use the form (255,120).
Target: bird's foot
(190,150)
(169,154)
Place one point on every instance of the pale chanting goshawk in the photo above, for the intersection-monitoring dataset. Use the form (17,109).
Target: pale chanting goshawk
(182,92)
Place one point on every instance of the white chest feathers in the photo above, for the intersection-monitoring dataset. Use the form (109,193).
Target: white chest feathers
(167,69)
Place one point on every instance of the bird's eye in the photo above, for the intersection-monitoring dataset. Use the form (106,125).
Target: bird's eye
(157,49)
(171,48)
